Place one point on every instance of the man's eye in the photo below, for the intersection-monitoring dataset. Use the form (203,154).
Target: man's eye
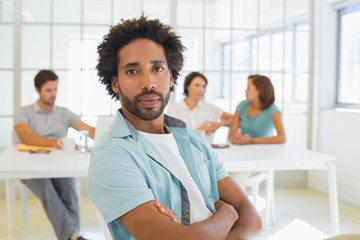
(158,69)
(131,71)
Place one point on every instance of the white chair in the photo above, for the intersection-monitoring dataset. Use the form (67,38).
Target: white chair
(254,182)
(11,185)
(102,125)
(103,225)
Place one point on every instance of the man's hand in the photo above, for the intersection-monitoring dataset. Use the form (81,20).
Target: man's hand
(166,211)
(153,220)
(27,136)
(171,214)
(59,144)
(219,204)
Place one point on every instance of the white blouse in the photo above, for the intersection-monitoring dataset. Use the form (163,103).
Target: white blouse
(203,112)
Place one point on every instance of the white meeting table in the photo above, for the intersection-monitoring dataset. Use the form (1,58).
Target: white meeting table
(268,157)
(23,165)
(278,157)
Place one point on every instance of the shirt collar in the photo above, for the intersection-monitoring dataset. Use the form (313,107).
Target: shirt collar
(184,105)
(38,109)
(200,104)
(121,127)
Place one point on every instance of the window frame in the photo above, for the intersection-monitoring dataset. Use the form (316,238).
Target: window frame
(340,13)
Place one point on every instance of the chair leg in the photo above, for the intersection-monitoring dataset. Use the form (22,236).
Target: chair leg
(78,187)
(255,192)
(10,199)
(270,200)
(24,197)
(103,226)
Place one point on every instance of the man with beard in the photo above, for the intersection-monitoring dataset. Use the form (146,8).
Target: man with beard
(149,170)
(44,124)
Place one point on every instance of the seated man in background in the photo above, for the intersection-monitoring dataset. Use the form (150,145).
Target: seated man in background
(44,124)
(148,156)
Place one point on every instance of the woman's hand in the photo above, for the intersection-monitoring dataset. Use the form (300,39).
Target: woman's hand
(240,139)
(166,211)
(209,127)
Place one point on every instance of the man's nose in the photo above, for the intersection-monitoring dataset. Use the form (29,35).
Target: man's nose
(149,81)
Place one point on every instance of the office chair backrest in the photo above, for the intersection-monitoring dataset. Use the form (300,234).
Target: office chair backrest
(15,138)
(103,225)
(102,125)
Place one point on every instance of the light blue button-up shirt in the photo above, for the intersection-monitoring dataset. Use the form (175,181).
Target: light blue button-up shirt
(126,170)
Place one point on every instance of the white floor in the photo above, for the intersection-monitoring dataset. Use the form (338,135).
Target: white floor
(301,213)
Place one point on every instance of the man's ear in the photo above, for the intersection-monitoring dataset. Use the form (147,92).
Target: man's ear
(115,84)
(171,79)
(37,90)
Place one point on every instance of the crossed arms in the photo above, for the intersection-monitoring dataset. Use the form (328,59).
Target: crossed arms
(235,218)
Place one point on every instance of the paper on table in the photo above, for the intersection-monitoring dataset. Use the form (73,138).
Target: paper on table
(31,148)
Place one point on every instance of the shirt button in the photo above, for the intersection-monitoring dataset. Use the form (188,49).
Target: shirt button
(185,214)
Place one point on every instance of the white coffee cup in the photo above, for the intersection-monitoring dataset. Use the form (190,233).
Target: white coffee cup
(68,145)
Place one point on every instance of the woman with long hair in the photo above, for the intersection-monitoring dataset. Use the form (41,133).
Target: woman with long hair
(257,116)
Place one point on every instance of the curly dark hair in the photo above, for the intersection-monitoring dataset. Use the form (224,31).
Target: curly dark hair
(265,88)
(189,78)
(129,30)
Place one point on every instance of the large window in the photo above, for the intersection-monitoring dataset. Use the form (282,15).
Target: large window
(6,72)
(348,93)
(227,40)
(277,53)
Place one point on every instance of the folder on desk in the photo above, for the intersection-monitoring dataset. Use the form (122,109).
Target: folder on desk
(33,149)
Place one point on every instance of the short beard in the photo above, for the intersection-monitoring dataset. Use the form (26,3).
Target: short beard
(150,114)
(48,103)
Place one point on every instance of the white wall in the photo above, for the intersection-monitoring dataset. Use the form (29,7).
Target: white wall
(337,131)
(338,134)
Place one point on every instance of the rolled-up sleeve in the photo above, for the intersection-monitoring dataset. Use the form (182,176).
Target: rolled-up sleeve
(114,183)
(20,117)
(219,166)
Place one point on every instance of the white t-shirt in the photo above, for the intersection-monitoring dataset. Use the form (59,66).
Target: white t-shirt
(166,145)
